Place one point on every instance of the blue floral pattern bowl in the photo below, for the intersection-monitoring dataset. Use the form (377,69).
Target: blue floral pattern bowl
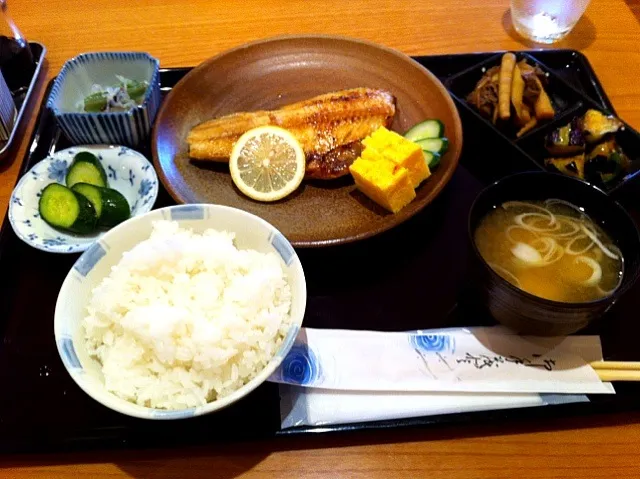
(251,232)
(128,171)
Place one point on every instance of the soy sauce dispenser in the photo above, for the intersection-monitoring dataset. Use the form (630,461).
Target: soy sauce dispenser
(16,59)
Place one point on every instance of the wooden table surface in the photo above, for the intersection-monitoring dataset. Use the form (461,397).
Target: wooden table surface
(182,33)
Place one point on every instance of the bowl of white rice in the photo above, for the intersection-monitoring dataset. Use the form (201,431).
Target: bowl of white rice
(181,311)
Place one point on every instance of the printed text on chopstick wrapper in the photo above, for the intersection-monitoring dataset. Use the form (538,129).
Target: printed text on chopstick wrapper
(484,361)
(476,360)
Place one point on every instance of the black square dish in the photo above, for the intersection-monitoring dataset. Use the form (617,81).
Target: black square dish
(574,68)
(563,97)
(626,138)
(566,89)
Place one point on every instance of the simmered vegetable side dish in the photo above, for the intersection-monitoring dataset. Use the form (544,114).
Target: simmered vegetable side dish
(587,149)
(121,97)
(512,95)
(86,203)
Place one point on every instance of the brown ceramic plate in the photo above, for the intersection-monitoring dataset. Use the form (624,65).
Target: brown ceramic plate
(270,73)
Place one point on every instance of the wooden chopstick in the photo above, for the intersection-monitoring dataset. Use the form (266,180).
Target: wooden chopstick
(617,370)
(623,365)
(617,375)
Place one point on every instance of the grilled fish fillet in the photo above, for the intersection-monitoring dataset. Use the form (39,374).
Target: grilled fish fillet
(329,127)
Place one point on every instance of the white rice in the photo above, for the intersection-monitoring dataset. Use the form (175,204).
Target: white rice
(185,318)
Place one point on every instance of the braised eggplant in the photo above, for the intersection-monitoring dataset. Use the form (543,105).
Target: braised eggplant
(595,125)
(571,166)
(605,162)
(600,159)
(566,140)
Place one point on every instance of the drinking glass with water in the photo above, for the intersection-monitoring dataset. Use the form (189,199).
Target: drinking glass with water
(546,21)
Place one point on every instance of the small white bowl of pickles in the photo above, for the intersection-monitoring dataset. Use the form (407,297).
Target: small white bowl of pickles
(71,198)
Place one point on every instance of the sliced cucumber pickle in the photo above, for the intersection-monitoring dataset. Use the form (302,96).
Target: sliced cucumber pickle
(111,206)
(434,145)
(65,209)
(86,168)
(432,159)
(425,129)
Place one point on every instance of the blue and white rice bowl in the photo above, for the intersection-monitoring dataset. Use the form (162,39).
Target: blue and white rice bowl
(128,172)
(74,83)
(251,232)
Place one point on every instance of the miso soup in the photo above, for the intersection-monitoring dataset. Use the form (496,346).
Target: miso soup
(550,249)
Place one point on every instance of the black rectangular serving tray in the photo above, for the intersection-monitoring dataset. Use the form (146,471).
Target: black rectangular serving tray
(41,408)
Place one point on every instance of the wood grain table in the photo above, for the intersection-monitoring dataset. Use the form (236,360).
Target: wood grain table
(182,33)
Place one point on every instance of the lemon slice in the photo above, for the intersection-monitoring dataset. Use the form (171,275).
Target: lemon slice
(267,163)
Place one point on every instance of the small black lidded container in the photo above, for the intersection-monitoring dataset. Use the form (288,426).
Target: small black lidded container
(16,58)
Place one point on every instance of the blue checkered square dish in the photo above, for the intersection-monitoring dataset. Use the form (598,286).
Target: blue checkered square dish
(74,83)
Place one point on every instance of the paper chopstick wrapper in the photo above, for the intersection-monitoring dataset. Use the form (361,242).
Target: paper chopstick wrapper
(7,110)
(476,360)
(301,406)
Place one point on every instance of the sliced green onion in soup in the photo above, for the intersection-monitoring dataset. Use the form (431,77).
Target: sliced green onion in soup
(595,239)
(596,270)
(524,204)
(569,246)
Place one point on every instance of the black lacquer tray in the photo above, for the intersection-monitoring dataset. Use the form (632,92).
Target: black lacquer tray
(41,408)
